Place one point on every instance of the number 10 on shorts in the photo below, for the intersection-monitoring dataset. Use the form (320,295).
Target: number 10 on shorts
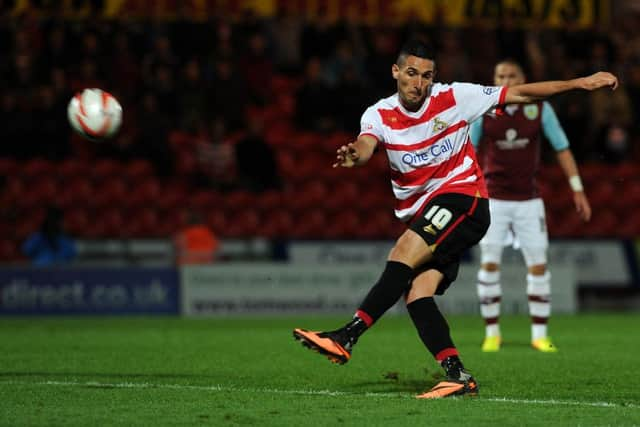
(438,216)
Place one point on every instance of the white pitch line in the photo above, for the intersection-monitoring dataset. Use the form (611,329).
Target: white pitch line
(220,388)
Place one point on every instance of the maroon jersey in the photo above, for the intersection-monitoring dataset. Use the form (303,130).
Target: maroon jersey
(509,151)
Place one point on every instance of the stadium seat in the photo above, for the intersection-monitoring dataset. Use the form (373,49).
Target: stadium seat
(38,169)
(138,170)
(268,201)
(245,224)
(72,168)
(217,221)
(111,192)
(8,167)
(141,223)
(143,193)
(104,169)
(9,250)
(39,193)
(276,224)
(312,226)
(75,193)
(76,221)
(343,225)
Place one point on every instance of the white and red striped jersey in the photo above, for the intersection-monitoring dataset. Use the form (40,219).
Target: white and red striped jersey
(429,150)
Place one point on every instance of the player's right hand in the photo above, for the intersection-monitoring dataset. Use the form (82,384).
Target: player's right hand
(346,156)
(600,79)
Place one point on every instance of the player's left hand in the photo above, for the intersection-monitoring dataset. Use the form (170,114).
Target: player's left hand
(582,205)
(600,79)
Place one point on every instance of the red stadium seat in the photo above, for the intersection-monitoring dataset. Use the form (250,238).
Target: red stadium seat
(243,225)
(217,221)
(38,169)
(138,170)
(111,192)
(276,224)
(143,193)
(141,223)
(104,169)
(76,221)
(8,167)
(9,250)
(71,169)
(40,193)
(76,192)
(311,226)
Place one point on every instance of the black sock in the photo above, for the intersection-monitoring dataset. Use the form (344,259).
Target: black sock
(432,328)
(394,281)
(354,329)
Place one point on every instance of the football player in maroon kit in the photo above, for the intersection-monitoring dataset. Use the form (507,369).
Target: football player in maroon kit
(509,147)
(440,193)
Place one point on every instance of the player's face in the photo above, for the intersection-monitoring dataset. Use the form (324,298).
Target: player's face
(414,77)
(508,75)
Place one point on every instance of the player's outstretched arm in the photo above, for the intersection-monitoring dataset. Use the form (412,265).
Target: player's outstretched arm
(535,91)
(356,153)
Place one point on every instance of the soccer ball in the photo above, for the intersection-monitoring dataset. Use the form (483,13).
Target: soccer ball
(95,114)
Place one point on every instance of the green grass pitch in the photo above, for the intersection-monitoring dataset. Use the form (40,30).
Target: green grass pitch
(236,371)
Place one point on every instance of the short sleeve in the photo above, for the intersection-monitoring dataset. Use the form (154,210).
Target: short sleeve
(474,100)
(552,129)
(371,124)
(475,132)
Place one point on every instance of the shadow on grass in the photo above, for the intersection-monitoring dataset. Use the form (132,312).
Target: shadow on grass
(394,382)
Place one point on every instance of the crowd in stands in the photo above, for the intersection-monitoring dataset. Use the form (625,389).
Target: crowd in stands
(226,105)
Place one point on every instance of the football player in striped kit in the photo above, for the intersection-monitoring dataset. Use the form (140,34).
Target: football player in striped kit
(440,193)
(509,147)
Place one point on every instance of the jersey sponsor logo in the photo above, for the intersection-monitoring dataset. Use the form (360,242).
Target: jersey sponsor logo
(439,125)
(490,89)
(531,111)
(511,141)
(425,156)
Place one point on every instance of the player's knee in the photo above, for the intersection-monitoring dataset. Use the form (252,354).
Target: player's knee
(410,249)
(538,269)
(490,266)
(424,285)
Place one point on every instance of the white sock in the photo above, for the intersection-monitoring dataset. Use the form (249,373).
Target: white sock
(490,294)
(539,293)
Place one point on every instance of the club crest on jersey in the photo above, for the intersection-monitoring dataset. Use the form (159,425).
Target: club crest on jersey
(531,111)
(439,125)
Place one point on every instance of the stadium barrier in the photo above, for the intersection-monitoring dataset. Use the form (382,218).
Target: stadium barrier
(89,291)
(269,288)
(318,277)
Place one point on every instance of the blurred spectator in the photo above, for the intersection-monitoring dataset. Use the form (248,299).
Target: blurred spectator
(162,84)
(257,69)
(383,52)
(153,137)
(215,159)
(286,32)
(608,109)
(255,161)
(192,99)
(343,58)
(50,245)
(614,144)
(355,98)
(51,136)
(314,100)
(196,243)
(228,94)
(161,54)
